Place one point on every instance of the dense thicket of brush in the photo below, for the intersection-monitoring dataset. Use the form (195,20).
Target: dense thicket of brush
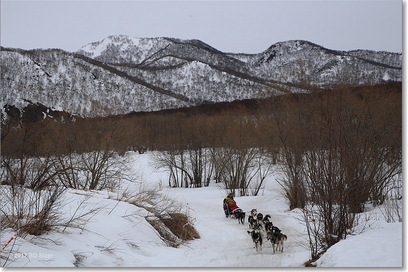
(248,123)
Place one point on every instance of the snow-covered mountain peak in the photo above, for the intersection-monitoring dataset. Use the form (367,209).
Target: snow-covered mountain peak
(289,48)
(122,48)
(294,45)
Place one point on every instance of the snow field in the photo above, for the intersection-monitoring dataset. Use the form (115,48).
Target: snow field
(118,235)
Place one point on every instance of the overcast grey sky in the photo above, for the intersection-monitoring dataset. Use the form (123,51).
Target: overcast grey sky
(230,26)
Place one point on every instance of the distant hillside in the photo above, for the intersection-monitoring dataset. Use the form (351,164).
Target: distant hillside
(120,74)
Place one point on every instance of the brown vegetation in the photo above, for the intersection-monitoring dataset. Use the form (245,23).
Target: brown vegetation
(249,123)
(179,224)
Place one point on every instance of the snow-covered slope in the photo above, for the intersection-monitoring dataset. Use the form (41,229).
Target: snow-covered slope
(123,49)
(302,61)
(120,74)
(118,235)
(367,249)
(63,81)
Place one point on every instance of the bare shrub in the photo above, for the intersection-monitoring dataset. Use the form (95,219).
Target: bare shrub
(100,169)
(292,180)
(187,168)
(289,123)
(95,170)
(32,172)
(241,170)
(392,207)
(328,191)
(30,195)
(315,231)
(30,211)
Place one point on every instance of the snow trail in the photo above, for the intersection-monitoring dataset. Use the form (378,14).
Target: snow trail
(225,243)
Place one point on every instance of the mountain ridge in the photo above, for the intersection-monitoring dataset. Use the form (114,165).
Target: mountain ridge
(121,74)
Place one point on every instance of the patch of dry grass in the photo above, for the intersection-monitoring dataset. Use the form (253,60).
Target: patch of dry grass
(180,225)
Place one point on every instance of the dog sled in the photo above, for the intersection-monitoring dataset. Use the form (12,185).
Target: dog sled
(234,212)
(231,210)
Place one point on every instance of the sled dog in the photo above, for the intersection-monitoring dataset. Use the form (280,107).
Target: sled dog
(251,222)
(277,239)
(256,238)
(267,218)
(240,215)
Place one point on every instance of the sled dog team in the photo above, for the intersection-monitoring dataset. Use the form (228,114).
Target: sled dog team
(260,226)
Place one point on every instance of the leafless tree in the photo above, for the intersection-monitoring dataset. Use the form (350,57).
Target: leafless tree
(241,170)
(187,168)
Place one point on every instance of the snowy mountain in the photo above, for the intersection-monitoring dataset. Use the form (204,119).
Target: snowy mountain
(120,74)
(303,61)
(123,49)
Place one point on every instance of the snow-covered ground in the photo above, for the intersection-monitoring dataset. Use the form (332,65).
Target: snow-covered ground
(118,235)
